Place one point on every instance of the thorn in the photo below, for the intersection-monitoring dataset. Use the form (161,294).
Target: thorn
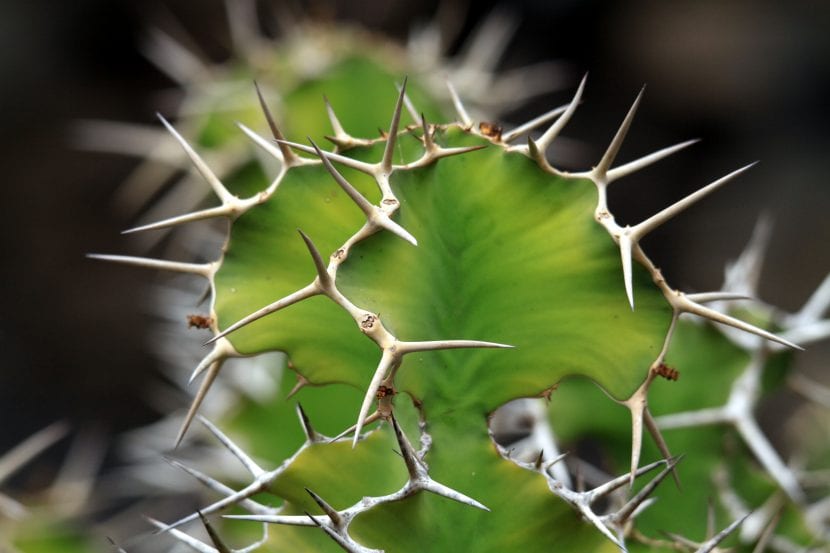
(413,466)
(643,162)
(538,463)
(322,273)
(249,464)
(339,132)
(218,188)
(220,488)
(626,245)
(269,147)
(687,306)
(372,213)
(706,297)
(361,166)
(291,299)
(21,454)
(554,130)
(658,219)
(387,361)
(533,123)
(654,430)
(211,375)
(459,107)
(216,355)
(411,347)
(445,491)
(627,510)
(601,170)
(301,383)
(214,537)
(201,215)
(711,544)
(288,156)
(410,107)
(429,143)
(332,513)
(310,434)
(389,151)
(201,269)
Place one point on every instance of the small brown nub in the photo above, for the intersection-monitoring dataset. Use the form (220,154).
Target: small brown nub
(199,321)
(490,130)
(384,391)
(667,372)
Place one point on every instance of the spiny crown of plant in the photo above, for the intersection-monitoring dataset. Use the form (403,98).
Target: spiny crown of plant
(510,250)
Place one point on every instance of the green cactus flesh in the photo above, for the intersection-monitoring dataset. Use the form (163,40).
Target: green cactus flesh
(514,290)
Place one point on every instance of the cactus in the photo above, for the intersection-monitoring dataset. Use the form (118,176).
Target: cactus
(417,282)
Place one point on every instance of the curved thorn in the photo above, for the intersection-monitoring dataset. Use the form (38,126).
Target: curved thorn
(214,182)
(614,148)
(217,354)
(643,162)
(319,265)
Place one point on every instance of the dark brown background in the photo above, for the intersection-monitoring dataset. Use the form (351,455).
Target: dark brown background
(751,78)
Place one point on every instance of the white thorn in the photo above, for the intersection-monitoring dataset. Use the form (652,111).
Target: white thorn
(273,151)
(706,297)
(392,137)
(288,156)
(387,361)
(361,166)
(643,162)
(32,446)
(218,188)
(224,210)
(410,347)
(532,124)
(255,470)
(202,269)
(554,130)
(459,106)
(613,149)
(290,299)
(658,219)
(625,243)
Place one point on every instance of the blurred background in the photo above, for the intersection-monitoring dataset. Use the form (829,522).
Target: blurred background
(750,78)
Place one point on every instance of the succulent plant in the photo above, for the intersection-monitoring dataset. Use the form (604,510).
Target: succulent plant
(446,299)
